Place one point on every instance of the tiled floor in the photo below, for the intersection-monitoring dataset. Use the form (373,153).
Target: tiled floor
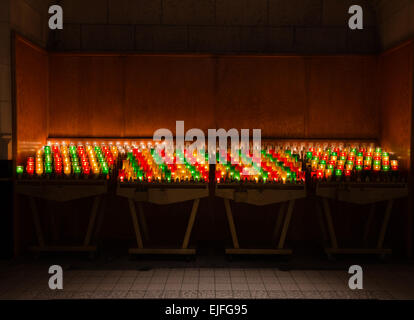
(380,282)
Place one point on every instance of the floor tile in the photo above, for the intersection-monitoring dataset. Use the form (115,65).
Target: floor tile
(273,286)
(189,286)
(118,294)
(110,280)
(190,280)
(259,294)
(222,280)
(188,294)
(102,294)
(135,294)
(29,294)
(238,280)
(242,294)
(142,280)
(239,286)
(221,286)
(276,294)
(171,294)
(206,294)
(224,294)
(153,294)
(88,287)
(105,286)
(122,286)
(382,295)
(139,286)
(83,294)
(206,280)
(328,294)
(290,287)
(311,294)
(294,294)
(126,280)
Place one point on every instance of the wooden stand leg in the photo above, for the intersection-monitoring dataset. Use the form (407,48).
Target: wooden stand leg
(136,224)
(286,224)
(376,250)
(282,226)
(328,217)
(92,219)
(36,221)
(279,221)
(85,247)
(369,224)
(231,224)
(385,224)
(190,223)
(143,221)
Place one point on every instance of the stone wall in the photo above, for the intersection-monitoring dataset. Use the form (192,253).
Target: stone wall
(29,18)
(229,26)
(395,21)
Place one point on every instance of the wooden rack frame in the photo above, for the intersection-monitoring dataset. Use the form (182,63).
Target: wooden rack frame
(361,194)
(63,191)
(286,195)
(161,195)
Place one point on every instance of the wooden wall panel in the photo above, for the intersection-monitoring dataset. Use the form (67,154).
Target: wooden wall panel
(31,76)
(86,96)
(159,90)
(266,93)
(396,76)
(342,97)
(286,97)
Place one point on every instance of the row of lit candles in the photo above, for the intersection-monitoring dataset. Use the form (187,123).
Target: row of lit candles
(153,164)
(275,166)
(325,164)
(61,158)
